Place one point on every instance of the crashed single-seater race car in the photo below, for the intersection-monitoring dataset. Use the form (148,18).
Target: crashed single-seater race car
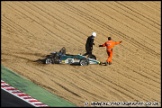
(62,58)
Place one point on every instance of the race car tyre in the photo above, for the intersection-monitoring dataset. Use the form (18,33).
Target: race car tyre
(84,62)
(48,61)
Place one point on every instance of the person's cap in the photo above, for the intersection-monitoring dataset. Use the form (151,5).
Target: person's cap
(94,34)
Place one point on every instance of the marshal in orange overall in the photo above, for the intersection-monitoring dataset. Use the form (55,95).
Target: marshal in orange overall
(109,49)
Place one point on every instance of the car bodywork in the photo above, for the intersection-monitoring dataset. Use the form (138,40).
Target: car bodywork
(62,58)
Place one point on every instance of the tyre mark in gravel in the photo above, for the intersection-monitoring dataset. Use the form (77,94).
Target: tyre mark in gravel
(65,23)
(143,82)
(17,28)
(133,30)
(125,74)
(29,32)
(101,88)
(71,16)
(34,19)
(125,91)
(69,24)
(133,18)
(85,17)
(151,73)
(148,75)
(43,12)
(149,50)
(122,90)
(130,79)
(41,24)
(154,6)
(139,16)
(137,10)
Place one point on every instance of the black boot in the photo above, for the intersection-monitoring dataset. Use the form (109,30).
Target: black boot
(106,63)
(110,63)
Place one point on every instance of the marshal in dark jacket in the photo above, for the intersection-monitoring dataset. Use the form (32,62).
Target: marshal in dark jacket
(89,44)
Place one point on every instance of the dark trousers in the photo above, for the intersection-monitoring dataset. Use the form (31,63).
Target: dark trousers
(88,52)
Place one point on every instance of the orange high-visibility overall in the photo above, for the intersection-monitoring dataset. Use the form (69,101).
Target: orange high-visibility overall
(109,49)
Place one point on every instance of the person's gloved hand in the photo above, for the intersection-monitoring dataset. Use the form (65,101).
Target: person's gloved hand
(100,45)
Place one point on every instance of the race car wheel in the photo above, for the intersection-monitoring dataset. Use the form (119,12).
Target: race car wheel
(84,62)
(48,61)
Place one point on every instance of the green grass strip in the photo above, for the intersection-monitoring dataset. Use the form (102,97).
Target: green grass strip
(26,86)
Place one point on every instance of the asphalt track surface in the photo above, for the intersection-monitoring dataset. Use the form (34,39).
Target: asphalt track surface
(8,100)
